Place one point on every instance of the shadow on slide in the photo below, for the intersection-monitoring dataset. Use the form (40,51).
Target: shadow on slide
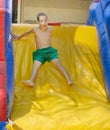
(52,104)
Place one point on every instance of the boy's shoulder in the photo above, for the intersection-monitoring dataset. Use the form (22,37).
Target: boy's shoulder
(35,29)
(50,28)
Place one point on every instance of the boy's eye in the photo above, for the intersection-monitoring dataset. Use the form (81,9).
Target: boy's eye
(43,21)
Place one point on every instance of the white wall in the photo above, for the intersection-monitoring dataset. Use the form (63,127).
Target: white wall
(70,11)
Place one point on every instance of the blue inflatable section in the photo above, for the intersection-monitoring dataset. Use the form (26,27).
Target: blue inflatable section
(99,16)
(9,62)
(2,126)
(9,57)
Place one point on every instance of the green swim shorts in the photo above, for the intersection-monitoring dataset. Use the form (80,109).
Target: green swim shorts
(45,54)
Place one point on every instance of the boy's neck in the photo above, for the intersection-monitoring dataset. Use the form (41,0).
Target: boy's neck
(43,29)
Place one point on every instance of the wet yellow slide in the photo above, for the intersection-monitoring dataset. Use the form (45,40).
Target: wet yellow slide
(52,104)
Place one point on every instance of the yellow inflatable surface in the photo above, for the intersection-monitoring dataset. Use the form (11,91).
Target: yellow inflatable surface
(52,104)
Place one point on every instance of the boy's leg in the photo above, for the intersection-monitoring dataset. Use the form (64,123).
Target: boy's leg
(35,69)
(59,66)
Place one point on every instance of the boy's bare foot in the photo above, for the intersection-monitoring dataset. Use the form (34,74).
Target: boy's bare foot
(70,83)
(28,83)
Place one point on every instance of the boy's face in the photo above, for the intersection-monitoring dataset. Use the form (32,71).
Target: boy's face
(43,22)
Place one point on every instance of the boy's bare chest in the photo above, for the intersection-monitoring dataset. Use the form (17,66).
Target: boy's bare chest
(43,35)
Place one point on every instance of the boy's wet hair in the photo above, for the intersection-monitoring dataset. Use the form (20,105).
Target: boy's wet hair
(41,14)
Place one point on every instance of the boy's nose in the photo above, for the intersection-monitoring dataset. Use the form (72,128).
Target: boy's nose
(43,23)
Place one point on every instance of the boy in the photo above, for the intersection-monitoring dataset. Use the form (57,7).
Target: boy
(44,50)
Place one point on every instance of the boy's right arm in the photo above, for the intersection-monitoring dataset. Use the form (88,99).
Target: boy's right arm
(23,35)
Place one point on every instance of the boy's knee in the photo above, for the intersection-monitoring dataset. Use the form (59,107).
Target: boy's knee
(56,63)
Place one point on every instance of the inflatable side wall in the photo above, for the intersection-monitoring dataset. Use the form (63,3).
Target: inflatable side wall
(6,62)
(99,15)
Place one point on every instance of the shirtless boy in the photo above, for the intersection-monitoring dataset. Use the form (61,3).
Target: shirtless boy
(44,50)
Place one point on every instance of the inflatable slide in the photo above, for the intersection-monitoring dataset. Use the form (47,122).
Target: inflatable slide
(52,104)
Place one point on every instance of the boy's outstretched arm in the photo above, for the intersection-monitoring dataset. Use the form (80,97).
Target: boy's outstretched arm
(22,35)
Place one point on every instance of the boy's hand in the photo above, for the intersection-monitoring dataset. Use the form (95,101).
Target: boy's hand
(15,37)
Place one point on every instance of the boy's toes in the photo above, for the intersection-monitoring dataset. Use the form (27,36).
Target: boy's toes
(28,83)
